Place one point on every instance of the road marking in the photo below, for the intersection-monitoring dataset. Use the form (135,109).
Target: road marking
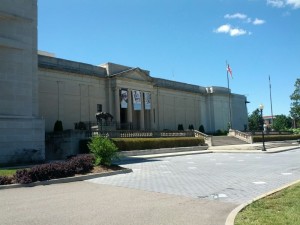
(241,160)
(190,162)
(166,172)
(222,196)
(259,182)
(219,163)
(285,174)
(192,168)
(163,166)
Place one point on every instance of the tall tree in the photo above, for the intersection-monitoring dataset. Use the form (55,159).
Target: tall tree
(295,105)
(255,120)
(282,122)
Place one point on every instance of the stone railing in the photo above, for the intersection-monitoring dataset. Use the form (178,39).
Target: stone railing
(143,134)
(241,135)
(207,138)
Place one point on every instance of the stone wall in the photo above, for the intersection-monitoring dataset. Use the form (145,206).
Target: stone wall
(21,130)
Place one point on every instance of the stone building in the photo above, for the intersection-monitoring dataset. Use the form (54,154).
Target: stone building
(73,92)
(37,90)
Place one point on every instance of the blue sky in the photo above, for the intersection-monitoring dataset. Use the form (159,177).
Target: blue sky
(187,41)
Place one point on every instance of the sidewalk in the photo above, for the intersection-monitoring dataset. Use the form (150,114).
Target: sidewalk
(271,147)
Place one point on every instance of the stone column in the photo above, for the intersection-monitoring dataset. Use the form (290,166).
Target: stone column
(60,100)
(129,106)
(142,113)
(117,105)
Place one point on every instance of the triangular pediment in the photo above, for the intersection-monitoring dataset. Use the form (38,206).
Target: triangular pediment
(135,74)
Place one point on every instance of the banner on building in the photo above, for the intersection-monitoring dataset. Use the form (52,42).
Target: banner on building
(147,100)
(124,99)
(136,98)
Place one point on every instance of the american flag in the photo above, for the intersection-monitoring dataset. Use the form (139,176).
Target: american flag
(229,70)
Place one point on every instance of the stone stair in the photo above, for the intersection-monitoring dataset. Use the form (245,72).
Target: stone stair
(225,140)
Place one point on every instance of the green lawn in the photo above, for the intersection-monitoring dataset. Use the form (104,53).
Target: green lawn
(281,208)
(7,172)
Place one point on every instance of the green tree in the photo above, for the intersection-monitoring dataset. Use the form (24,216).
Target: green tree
(282,122)
(295,98)
(255,120)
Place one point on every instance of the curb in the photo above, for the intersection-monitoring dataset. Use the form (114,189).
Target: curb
(66,179)
(163,151)
(173,154)
(231,217)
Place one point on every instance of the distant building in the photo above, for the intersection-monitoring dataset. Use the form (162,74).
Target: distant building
(268,120)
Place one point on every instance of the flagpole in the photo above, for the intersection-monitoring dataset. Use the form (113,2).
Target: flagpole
(271,99)
(229,103)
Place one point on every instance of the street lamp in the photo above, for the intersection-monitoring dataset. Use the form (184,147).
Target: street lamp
(261,107)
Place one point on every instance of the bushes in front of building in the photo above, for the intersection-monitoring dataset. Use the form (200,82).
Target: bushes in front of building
(103,149)
(180,127)
(80,164)
(201,129)
(4,180)
(128,144)
(58,126)
(258,138)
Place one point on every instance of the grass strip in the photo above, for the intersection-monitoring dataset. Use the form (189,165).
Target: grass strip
(7,172)
(279,208)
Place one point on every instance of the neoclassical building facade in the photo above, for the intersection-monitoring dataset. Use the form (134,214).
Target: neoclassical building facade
(72,92)
(37,90)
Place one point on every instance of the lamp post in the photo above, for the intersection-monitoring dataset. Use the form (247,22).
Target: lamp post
(261,107)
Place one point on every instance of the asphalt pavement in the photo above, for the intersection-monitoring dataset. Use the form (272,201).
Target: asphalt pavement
(188,189)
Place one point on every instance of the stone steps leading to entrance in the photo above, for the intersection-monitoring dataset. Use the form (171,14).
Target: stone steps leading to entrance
(225,140)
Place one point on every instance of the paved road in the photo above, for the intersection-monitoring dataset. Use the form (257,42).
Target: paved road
(85,203)
(235,178)
(197,189)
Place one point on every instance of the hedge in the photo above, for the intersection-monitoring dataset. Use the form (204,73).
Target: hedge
(127,144)
(80,164)
(258,138)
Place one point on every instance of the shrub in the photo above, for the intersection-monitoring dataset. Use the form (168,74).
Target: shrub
(127,144)
(23,176)
(76,165)
(191,127)
(258,138)
(180,127)
(4,180)
(58,126)
(81,126)
(103,150)
(201,129)
(81,164)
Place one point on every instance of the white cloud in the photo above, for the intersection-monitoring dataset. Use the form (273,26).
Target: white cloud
(223,29)
(236,16)
(228,29)
(294,3)
(283,3)
(276,3)
(237,32)
(258,22)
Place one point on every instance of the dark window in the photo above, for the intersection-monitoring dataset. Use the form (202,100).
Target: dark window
(99,107)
